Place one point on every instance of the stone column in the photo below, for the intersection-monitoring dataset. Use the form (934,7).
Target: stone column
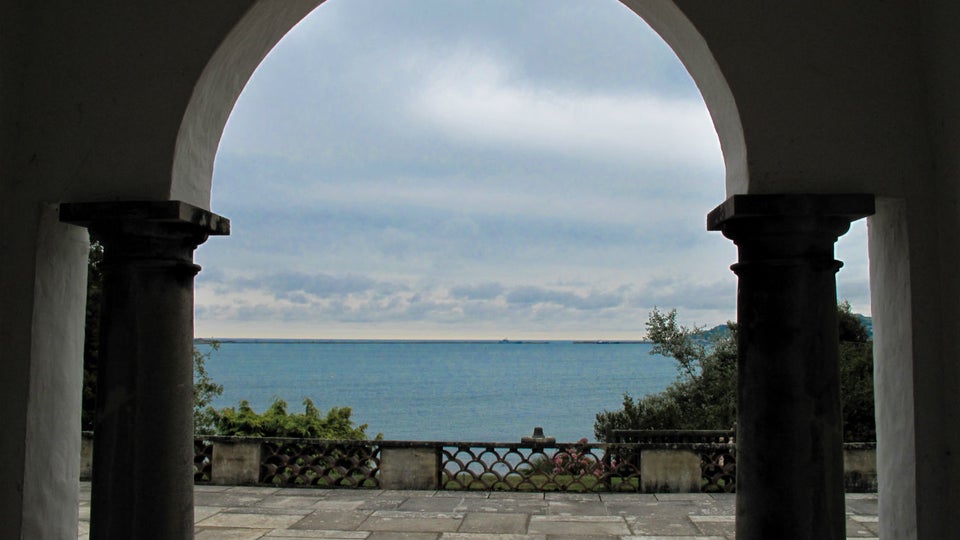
(142,483)
(789,430)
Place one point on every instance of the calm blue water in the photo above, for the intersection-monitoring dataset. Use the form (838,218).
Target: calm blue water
(467,391)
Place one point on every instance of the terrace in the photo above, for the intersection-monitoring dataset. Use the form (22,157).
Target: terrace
(251,512)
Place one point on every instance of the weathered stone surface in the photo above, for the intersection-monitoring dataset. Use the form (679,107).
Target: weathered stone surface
(249,520)
(860,470)
(409,468)
(332,520)
(578,525)
(669,471)
(236,462)
(86,457)
(430,504)
(494,523)
(412,521)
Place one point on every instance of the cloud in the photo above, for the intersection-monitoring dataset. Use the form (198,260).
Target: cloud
(483,291)
(340,300)
(315,284)
(472,98)
(593,300)
(684,293)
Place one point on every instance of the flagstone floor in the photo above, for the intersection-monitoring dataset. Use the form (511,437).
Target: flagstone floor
(249,513)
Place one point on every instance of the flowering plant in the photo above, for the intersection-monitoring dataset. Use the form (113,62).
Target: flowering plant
(575,462)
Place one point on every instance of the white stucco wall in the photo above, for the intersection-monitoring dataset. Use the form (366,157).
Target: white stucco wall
(52,436)
(893,367)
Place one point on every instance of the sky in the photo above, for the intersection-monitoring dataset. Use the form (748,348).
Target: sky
(478,169)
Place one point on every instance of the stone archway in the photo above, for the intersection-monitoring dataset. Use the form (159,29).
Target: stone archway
(820,220)
(127,103)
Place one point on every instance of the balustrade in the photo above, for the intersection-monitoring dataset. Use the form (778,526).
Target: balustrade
(678,466)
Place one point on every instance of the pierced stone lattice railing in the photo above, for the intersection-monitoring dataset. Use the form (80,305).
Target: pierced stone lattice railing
(535,467)
(202,460)
(331,464)
(718,470)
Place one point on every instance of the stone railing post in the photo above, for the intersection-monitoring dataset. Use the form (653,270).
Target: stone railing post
(860,468)
(86,455)
(410,467)
(672,470)
(142,483)
(789,438)
(235,462)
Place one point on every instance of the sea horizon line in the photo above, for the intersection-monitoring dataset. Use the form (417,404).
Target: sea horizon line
(202,340)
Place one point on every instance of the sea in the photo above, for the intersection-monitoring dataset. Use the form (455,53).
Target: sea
(478,391)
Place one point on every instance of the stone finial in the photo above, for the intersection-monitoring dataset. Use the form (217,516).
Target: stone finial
(538,437)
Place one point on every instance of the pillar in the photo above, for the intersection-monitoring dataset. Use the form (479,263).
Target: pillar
(789,429)
(142,484)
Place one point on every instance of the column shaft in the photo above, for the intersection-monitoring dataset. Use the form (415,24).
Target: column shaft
(789,427)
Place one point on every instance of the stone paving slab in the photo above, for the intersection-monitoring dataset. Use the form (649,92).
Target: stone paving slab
(249,521)
(508,506)
(331,520)
(576,508)
(252,513)
(464,494)
(230,534)
(389,535)
(488,536)
(339,535)
(286,501)
(396,521)
(516,495)
(579,525)
(430,504)
(499,524)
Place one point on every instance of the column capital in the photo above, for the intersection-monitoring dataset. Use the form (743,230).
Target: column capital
(788,229)
(147,234)
(114,215)
(849,206)
(791,207)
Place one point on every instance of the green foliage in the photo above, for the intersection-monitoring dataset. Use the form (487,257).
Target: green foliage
(704,396)
(91,341)
(276,422)
(204,391)
(856,377)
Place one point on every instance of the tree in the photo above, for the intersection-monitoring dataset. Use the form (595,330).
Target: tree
(856,377)
(276,422)
(204,391)
(704,396)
